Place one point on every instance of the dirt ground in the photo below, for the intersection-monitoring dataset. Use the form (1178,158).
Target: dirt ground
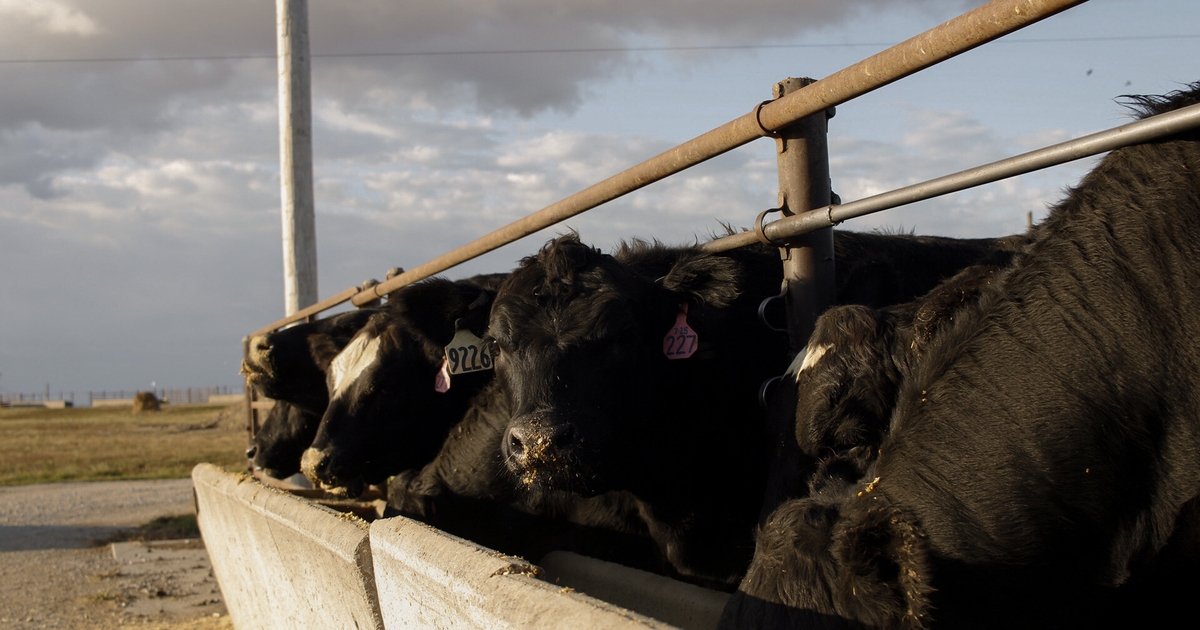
(52,575)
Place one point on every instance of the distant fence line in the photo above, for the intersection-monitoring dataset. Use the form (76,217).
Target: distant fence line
(188,396)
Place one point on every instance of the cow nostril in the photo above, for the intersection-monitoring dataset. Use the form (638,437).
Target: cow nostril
(260,343)
(563,437)
(516,443)
(251,451)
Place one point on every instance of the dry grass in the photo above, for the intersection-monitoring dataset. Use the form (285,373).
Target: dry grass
(95,444)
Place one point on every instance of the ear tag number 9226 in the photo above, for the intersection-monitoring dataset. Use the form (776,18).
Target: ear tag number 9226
(467,353)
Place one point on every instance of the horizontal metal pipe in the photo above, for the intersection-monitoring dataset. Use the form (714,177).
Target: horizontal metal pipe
(1099,142)
(958,35)
(308,311)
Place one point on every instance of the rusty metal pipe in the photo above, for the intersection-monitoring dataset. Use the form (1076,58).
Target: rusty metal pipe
(958,35)
(1133,133)
(305,313)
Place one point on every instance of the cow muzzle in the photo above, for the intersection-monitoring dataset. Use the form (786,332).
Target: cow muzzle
(317,466)
(540,445)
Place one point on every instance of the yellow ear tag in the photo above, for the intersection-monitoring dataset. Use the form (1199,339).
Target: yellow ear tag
(467,353)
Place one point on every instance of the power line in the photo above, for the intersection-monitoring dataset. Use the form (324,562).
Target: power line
(559,51)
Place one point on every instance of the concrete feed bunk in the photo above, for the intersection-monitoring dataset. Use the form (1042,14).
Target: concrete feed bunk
(286,562)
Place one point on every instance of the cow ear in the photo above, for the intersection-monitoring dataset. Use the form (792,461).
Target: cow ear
(700,278)
(323,349)
(431,307)
(886,567)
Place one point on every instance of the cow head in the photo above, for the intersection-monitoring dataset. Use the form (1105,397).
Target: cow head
(277,446)
(580,340)
(290,364)
(845,383)
(824,563)
(384,413)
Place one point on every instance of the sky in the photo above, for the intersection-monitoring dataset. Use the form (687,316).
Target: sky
(139,166)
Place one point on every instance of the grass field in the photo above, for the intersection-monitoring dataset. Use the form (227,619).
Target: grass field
(95,444)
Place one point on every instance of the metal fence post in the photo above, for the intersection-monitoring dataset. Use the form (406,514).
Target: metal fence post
(808,270)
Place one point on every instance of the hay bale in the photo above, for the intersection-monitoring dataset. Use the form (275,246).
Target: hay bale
(145,401)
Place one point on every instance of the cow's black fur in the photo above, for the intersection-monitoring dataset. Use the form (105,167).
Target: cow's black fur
(1041,468)
(289,366)
(466,492)
(278,444)
(390,418)
(832,412)
(597,407)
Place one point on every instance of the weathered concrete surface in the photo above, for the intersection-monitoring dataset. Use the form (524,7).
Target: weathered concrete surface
(283,562)
(684,605)
(429,579)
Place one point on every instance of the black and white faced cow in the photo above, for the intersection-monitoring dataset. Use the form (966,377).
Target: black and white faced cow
(1041,465)
(639,372)
(387,412)
(289,366)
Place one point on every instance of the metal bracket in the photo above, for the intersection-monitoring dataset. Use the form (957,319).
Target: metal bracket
(764,390)
(762,309)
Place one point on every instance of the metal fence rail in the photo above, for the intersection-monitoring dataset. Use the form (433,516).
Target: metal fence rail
(965,32)
(1093,144)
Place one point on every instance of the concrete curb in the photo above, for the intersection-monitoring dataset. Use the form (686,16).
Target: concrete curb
(283,562)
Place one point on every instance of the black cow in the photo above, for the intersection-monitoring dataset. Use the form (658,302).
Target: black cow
(832,413)
(384,414)
(277,446)
(289,366)
(1041,467)
(598,405)
(465,491)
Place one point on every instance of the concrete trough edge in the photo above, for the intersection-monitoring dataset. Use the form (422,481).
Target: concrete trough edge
(282,561)
(427,578)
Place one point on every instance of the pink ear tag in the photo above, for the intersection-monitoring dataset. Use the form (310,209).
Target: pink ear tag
(681,341)
(441,382)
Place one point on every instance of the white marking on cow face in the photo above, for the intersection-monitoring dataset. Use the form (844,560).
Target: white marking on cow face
(807,359)
(359,355)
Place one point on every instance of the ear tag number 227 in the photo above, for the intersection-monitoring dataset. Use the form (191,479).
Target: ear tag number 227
(681,341)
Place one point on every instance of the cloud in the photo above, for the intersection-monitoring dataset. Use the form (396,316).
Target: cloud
(49,16)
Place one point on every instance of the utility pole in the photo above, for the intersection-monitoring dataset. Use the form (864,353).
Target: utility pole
(295,156)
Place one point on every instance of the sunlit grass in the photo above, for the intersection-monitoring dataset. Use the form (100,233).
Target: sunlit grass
(98,444)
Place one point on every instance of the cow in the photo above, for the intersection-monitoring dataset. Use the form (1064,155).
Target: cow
(289,366)
(639,371)
(830,417)
(277,446)
(385,414)
(464,491)
(1040,466)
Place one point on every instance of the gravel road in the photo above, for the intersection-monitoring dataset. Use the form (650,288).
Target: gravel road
(52,576)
